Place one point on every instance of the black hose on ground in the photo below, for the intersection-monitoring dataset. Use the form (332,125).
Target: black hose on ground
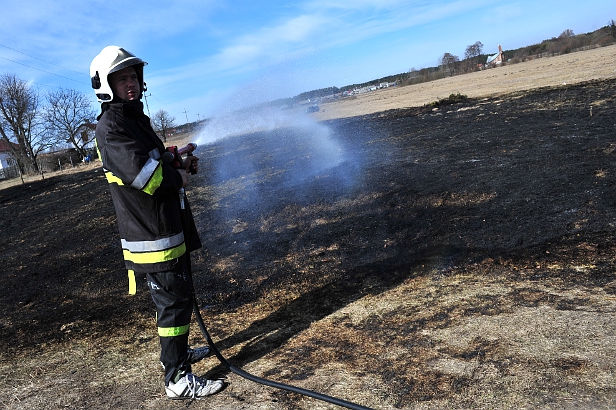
(267,382)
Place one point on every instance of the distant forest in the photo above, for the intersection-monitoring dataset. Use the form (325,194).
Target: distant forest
(566,42)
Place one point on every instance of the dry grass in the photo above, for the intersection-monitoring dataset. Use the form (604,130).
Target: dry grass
(573,68)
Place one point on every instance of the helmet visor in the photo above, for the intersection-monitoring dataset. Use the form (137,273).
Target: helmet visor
(123,60)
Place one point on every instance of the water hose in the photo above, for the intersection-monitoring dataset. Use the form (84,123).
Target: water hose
(263,381)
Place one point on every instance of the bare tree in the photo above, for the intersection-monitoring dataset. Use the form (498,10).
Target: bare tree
(162,122)
(567,33)
(449,63)
(472,54)
(19,121)
(65,114)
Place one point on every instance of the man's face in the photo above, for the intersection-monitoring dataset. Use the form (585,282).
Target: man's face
(125,84)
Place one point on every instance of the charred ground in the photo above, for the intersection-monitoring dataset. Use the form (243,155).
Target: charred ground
(516,190)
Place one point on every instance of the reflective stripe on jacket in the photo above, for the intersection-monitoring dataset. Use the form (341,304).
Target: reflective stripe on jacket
(154,230)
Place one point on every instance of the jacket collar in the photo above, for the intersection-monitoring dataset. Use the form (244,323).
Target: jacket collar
(126,108)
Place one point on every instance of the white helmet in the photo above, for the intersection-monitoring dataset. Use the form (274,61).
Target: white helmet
(110,60)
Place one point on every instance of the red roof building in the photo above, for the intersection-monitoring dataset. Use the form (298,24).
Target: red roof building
(6,156)
(4,146)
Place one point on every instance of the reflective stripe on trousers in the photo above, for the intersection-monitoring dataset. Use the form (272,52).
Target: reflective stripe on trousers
(172,295)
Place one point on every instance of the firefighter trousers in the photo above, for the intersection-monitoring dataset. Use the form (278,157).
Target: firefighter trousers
(171,292)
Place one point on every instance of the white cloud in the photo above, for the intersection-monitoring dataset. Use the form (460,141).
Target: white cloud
(270,42)
(70,33)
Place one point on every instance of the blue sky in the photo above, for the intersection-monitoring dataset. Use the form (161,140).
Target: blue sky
(210,56)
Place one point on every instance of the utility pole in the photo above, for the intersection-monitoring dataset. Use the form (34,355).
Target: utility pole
(186,113)
(199,117)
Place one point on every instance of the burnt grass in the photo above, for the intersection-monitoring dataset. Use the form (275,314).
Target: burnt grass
(477,186)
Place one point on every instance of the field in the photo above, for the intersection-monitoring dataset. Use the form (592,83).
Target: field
(393,254)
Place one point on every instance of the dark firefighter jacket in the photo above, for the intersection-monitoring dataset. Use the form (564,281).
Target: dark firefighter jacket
(154,230)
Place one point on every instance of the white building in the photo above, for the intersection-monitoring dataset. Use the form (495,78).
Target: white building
(6,158)
(496,59)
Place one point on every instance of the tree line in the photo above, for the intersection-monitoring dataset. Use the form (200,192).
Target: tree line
(33,123)
(450,64)
(474,58)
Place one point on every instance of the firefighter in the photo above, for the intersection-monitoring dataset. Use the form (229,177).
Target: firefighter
(156,226)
